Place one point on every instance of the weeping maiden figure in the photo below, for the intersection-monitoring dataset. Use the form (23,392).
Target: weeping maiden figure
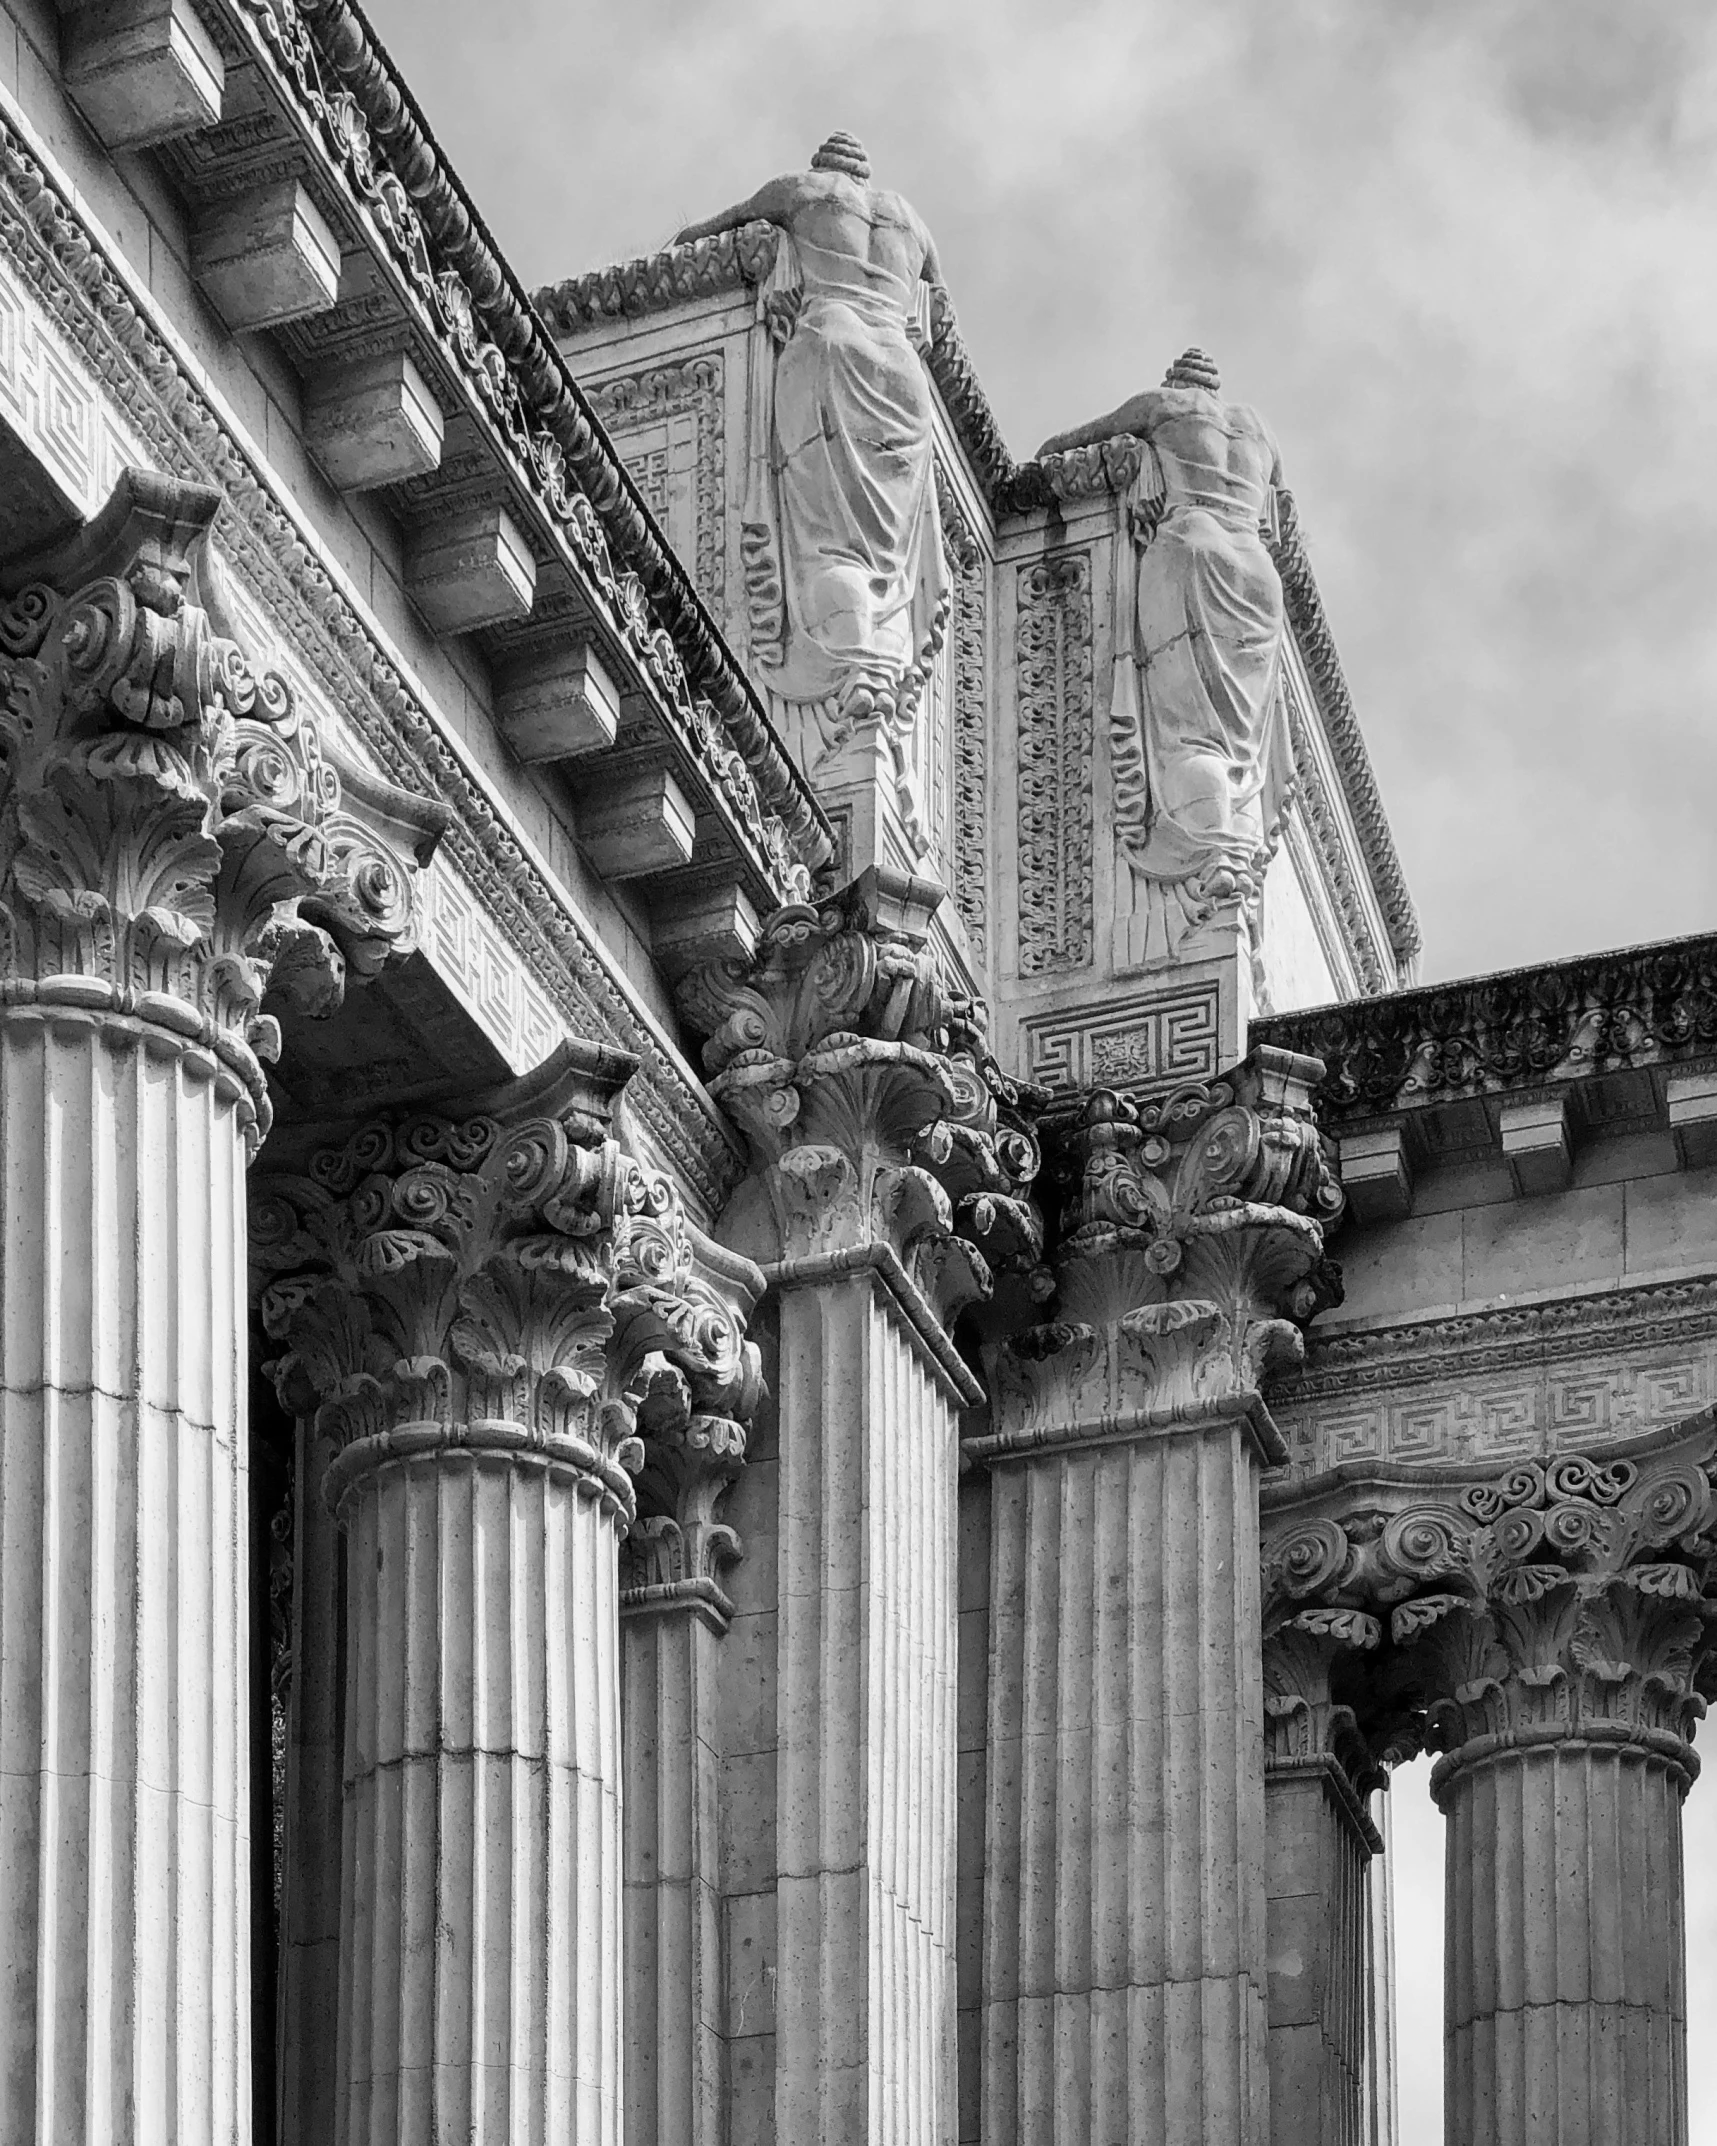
(846,588)
(1203,767)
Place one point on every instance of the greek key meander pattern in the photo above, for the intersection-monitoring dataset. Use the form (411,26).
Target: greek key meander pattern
(1539,1379)
(1160,1041)
(160,418)
(666,423)
(1052,639)
(53,405)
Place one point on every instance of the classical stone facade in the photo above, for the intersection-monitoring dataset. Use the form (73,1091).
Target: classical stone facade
(756,1355)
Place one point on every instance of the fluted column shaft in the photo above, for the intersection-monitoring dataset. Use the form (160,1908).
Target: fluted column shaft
(866,1769)
(124,1609)
(480,1938)
(1124,1860)
(674,2072)
(1319,1850)
(312,1820)
(1565,1948)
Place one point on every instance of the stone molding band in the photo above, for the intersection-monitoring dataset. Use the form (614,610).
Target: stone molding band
(908,1299)
(159,1023)
(494,1440)
(1348,1804)
(1657,1746)
(994,1447)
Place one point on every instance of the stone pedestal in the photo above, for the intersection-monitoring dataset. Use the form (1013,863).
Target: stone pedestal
(1124,1930)
(165,812)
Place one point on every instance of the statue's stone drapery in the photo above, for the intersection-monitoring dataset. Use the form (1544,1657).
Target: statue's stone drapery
(846,588)
(1202,764)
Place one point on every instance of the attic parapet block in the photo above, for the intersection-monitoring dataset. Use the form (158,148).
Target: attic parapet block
(715,921)
(268,256)
(471,569)
(1692,1101)
(1376,1174)
(142,71)
(373,423)
(637,824)
(1537,1146)
(559,707)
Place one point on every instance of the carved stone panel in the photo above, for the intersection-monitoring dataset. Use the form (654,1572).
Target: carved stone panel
(667,423)
(1053,652)
(960,802)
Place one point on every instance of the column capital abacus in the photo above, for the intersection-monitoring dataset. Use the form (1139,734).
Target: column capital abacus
(1189,1258)
(175,840)
(876,1120)
(1559,1601)
(505,1282)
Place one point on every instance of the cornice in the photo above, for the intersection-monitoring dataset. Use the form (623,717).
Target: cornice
(87,295)
(1516,1030)
(354,102)
(1466,1346)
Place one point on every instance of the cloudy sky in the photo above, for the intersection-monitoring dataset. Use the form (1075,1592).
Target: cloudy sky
(1459,254)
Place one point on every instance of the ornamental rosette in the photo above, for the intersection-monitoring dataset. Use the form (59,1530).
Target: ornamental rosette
(507,1281)
(173,835)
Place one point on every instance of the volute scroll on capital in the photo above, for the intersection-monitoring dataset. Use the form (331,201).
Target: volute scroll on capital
(874,1114)
(504,1285)
(1564,1600)
(176,841)
(1189,1258)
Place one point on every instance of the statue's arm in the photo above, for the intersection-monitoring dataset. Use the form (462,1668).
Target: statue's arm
(772,203)
(1133,416)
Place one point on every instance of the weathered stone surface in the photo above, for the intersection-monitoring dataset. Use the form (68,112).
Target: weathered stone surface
(373,423)
(142,71)
(267,256)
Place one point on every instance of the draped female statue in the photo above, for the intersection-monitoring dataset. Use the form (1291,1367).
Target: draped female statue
(1201,758)
(846,587)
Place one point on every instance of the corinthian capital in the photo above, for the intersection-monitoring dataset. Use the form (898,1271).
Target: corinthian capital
(873,1115)
(173,836)
(507,1283)
(1556,1601)
(1190,1255)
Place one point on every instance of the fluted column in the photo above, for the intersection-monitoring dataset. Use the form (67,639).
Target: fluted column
(1320,1844)
(472,1307)
(1548,1618)
(1124,1857)
(1566,1737)
(878,1159)
(673,1617)
(164,812)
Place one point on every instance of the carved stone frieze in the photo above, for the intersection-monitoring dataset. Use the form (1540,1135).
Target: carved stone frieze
(642,412)
(1524,1379)
(875,1123)
(1521,1030)
(1053,650)
(1190,1257)
(175,844)
(966,848)
(505,1282)
(86,294)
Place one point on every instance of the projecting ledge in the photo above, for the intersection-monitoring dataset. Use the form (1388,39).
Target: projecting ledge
(373,423)
(267,257)
(471,569)
(1537,1145)
(1376,1175)
(142,71)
